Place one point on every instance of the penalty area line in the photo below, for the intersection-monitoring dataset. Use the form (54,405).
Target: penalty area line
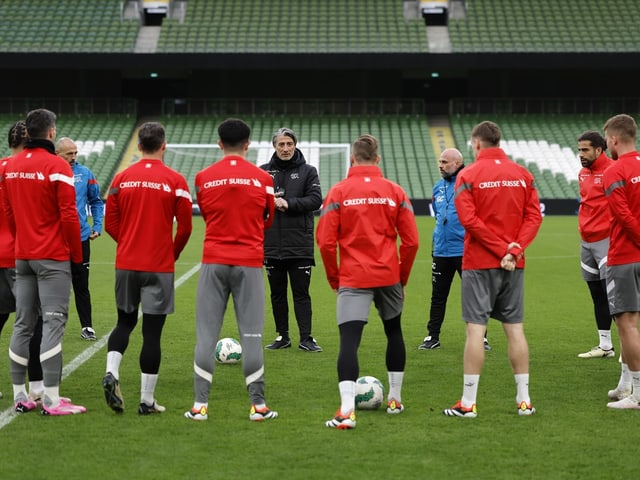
(7,416)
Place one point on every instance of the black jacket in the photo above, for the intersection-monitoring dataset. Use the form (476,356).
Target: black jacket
(291,235)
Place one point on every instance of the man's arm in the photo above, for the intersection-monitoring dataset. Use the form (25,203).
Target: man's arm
(96,205)
(327,239)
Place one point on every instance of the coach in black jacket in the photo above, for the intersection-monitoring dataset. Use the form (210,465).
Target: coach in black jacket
(289,243)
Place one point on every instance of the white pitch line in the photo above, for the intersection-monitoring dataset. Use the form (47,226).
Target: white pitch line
(7,416)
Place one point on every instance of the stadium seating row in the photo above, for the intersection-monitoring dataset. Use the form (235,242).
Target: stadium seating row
(65,26)
(292,26)
(545,144)
(547,26)
(405,144)
(101,140)
(320,26)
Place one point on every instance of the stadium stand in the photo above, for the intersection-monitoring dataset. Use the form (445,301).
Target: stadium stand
(546,26)
(285,26)
(545,144)
(320,26)
(65,26)
(101,140)
(406,149)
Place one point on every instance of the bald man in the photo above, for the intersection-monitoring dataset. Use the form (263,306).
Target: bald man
(87,199)
(448,237)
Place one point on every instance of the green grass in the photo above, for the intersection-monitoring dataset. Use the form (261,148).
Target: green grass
(573,435)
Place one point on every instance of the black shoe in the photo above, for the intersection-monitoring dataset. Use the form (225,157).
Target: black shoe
(145,409)
(310,345)
(112,394)
(88,333)
(279,342)
(429,343)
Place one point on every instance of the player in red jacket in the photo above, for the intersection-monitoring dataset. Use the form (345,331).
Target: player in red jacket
(17,137)
(39,204)
(622,187)
(498,206)
(360,222)
(143,201)
(594,221)
(237,203)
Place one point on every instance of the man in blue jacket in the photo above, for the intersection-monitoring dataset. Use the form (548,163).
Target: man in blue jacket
(448,240)
(87,200)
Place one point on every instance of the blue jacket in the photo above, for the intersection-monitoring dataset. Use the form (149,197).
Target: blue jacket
(87,199)
(448,234)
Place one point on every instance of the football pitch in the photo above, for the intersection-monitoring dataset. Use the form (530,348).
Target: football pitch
(573,434)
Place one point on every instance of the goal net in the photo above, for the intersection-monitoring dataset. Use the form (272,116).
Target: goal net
(330,159)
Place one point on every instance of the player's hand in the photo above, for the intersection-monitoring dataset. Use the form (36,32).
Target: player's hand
(281,204)
(94,235)
(508,262)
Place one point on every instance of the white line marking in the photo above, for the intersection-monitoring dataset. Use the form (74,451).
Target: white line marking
(7,416)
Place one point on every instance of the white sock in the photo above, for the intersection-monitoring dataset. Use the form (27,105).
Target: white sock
(605,339)
(635,380)
(36,387)
(148,383)
(470,390)
(625,377)
(51,396)
(522,388)
(199,405)
(395,386)
(113,363)
(20,391)
(347,396)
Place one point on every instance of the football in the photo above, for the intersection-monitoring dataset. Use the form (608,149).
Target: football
(369,393)
(228,351)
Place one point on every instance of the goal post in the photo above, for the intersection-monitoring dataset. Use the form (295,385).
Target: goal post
(330,159)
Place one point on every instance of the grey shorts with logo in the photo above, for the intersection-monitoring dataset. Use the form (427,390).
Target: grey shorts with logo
(154,290)
(493,293)
(623,288)
(593,260)
(354,303)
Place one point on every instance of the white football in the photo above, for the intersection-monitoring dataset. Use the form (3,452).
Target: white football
(369,393)
(228,350)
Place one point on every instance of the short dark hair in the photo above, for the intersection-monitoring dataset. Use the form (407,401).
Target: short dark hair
(39,122)
(488,133)
(233,132)
(151,136)
(595,138)
(17,134)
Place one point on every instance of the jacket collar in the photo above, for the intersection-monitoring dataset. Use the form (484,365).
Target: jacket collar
(41,143)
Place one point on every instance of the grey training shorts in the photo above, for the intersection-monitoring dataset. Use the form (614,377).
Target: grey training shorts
(493,293)
(623,288)
(154,290)
(355,303)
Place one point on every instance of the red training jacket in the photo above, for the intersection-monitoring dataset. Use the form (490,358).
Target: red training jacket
(237,204)
(7,243)
(362,217)
(497,203)
(594,217)
(143,201)
(39,203)
(622,186)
